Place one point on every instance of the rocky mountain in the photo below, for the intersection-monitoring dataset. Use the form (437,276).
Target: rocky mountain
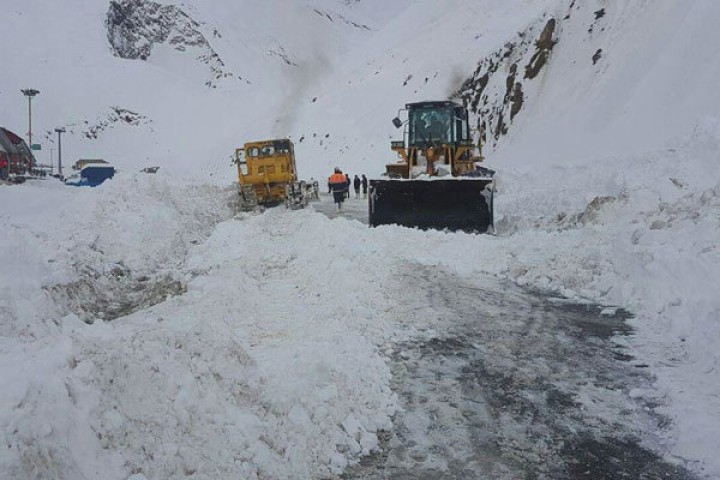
(537,76)
(136,27)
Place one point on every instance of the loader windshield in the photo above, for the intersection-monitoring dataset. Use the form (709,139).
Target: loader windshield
(430,125)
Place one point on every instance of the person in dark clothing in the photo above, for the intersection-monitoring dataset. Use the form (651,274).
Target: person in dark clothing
(356,185)
(338,185)
(364,183)
(348,181)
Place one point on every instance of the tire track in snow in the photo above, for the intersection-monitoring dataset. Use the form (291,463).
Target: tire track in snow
(353,208)
(517,386)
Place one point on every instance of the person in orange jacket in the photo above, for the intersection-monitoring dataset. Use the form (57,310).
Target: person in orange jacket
(338,185)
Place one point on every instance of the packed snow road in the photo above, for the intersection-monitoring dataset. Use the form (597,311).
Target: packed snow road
(353,208)
(516,385)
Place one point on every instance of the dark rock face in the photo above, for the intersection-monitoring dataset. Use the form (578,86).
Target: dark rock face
(543,47)
(335,16)
(509,78)
(496,91)
(117,116)
(136,26)
(107,120)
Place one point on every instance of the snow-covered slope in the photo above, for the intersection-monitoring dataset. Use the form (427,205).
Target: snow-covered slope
(647,89)
(624,78)
(199,78)
(619,77)
(600,116)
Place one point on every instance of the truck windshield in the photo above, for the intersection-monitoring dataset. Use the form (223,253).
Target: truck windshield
(430,125)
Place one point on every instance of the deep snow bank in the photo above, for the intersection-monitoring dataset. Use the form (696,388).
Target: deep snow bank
(267,366)
(54,237)
(270,363)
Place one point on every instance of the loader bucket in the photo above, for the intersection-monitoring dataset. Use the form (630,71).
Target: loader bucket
(464,204)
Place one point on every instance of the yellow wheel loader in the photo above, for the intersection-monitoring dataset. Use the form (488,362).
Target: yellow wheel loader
(267,175)
(437,182)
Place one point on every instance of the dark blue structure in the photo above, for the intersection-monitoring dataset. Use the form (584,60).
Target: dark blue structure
(92,176)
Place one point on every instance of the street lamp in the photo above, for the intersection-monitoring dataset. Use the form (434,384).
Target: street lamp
(30,93)
(59,131)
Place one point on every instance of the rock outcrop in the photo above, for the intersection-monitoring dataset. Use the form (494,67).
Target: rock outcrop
(496,91)
(136,26)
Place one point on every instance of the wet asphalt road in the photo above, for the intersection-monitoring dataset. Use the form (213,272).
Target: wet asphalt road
(514,385)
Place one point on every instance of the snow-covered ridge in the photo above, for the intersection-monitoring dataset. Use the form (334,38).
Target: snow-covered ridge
(107,121)
(336,16)
(135,27)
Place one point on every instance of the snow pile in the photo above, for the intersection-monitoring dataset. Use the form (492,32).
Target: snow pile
(263,368)
(270,360)
(45,421)
(142,226)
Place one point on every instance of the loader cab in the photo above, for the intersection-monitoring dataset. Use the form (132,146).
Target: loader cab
(435,124)
(421,188)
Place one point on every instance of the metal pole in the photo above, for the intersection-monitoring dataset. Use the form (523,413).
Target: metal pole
(30,120)
(30,93)
(59,132)
(59,152)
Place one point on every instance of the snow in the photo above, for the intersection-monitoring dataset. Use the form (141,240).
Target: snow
(253,346)
(279,386)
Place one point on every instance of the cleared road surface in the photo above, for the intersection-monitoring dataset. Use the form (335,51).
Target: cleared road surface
(519,386)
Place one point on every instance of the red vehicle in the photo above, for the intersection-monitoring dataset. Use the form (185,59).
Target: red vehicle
(17,154)
(4,164)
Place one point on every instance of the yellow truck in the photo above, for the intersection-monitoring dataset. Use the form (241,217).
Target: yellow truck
(267,175)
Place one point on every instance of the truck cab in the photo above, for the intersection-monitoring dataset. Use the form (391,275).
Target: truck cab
(265,169)
(436,141)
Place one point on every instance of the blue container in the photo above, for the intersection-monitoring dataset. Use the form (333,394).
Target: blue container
(92,176)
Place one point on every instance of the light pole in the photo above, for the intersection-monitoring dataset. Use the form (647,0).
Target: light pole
(60,131)
(30,93)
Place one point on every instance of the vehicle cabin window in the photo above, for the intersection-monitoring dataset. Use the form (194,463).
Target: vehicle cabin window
(430,125)
(462,132)
(282,147)
(253,152)
(267,151)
